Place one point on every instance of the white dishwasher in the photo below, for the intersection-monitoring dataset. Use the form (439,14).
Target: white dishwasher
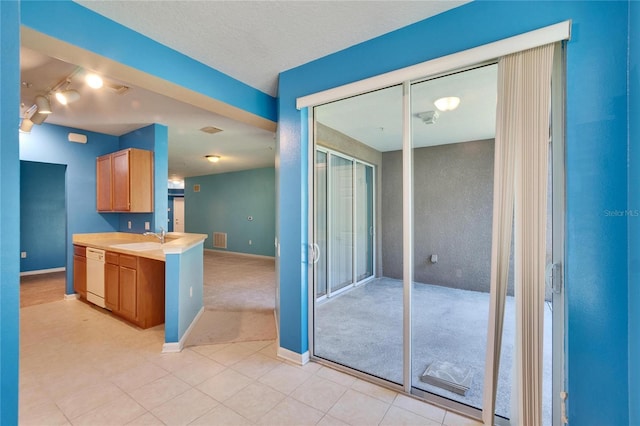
(95,276)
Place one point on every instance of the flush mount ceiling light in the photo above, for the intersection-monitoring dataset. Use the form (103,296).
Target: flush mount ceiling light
(44,107)
(211,130)
(448,103)
(94,81)
(212,158)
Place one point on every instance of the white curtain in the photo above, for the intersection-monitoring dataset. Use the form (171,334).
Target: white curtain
(520,180)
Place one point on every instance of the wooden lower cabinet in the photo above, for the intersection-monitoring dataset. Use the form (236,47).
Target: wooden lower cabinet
(112,282)
(129,293)
(80,271)
(134,288)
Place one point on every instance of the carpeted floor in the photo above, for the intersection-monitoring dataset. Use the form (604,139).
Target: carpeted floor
(238,283)
(41,288)
(239,300)
(362,329)
(215,327)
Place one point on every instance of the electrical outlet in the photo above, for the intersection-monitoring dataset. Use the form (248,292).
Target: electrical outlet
(147,226)
(23,254)
(250,242)
(129,224)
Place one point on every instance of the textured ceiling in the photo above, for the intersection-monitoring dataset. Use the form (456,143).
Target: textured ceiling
(253,41)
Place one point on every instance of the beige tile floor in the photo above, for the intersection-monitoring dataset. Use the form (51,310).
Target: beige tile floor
(79,365)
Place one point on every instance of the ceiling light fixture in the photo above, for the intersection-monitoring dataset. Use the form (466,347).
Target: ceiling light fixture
(448,103)
(26,125)
(212,158)
(67,96)
(211,130)
(44,107)
(94,81)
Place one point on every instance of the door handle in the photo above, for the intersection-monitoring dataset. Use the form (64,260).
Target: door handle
(315,248)
(553,277)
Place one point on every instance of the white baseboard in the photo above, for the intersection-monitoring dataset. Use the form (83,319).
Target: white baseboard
(43,271)
(178,346)
(73,296)
(259,256)
(296,358)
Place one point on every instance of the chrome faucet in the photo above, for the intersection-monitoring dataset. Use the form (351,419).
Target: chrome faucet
(159,235)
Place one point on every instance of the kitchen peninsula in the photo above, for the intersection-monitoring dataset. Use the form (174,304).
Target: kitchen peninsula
(127,274)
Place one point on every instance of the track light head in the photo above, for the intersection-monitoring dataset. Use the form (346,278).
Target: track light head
(67,96)
(44,107)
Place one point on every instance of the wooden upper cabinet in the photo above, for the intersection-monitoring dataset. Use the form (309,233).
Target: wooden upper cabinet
(129,174)
(103,182)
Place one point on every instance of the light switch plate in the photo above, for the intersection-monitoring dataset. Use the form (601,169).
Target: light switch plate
(147,226)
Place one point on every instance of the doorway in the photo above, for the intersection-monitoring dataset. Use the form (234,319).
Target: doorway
(178,214)
(415,322)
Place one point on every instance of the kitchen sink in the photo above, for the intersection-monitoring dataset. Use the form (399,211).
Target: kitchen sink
(143,246)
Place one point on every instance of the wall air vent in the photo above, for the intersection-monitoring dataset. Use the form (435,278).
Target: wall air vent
(220,240)
(211,130)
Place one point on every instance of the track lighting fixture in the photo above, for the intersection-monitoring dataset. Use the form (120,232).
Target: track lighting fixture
(67,96)
(40,110)
(44,107)
(94,81)
(26,125)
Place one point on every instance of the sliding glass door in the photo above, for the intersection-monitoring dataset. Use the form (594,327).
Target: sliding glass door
(358,313)
(344,225)
(403,220)
(364,221)
(340,206)
(452,216)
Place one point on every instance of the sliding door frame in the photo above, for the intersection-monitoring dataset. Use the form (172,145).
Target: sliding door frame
(354,204)
(406,76)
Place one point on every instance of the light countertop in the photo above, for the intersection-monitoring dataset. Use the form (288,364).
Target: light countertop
(175,242)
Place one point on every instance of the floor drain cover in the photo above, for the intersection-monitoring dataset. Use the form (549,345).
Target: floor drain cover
(448,376)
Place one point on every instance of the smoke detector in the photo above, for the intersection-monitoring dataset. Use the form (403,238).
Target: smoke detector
(429,117)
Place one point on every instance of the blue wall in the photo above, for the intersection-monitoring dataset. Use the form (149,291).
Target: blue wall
(43,221)
(224,203)
(9,211)
(634,218)
(49,143)
(152,138)
(596,257)
(184,286)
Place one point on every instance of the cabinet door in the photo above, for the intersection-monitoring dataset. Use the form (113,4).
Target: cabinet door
(121,190)
(80,275)
(104,189)
(112,287)
(128,293)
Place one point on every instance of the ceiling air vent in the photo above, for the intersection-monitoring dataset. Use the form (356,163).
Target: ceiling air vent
(211,130)
(118,89)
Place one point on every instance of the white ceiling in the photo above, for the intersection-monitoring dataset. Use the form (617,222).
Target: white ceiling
(375,118)
(252,41)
